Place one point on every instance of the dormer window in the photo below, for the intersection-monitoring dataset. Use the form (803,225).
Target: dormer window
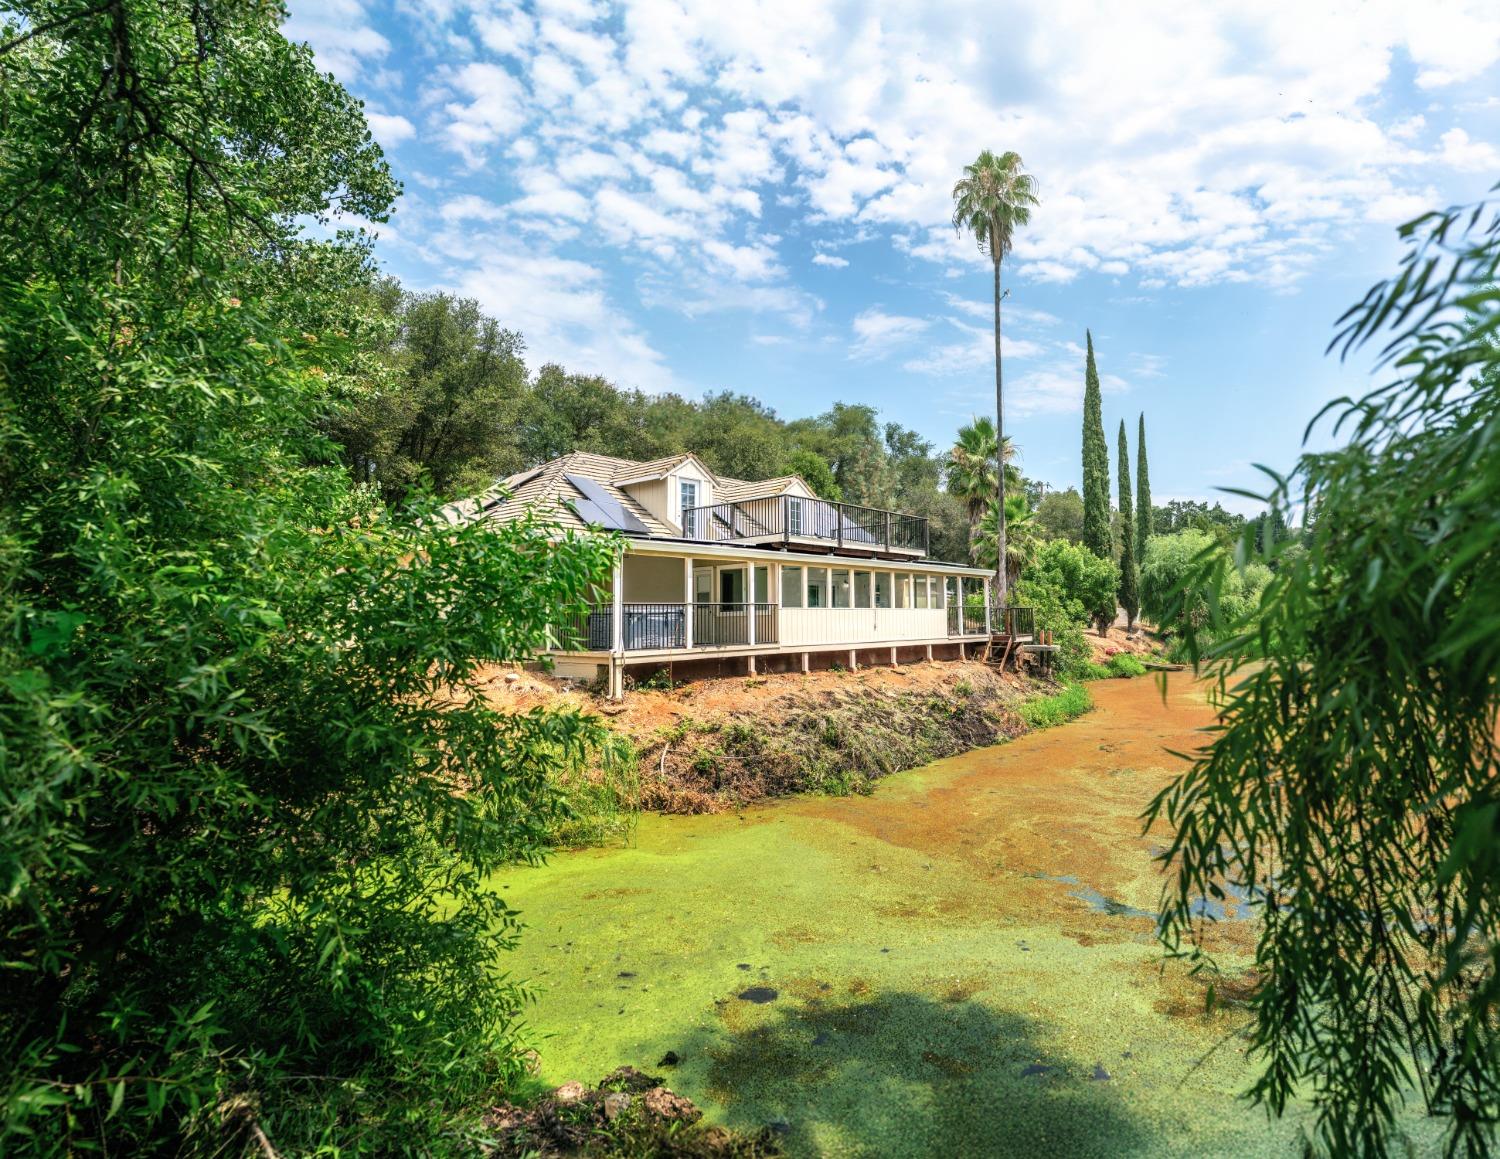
(688,494)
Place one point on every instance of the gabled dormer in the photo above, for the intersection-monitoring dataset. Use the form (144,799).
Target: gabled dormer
(665,486)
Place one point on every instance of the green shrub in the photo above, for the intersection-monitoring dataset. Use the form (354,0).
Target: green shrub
(1069,586)
(1124,664)
(1089,670)
(1180,585)
(1059,708)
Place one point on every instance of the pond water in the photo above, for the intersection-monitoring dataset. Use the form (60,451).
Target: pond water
(962,963)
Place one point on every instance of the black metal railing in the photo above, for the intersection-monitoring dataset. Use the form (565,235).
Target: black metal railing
(965,621)
(648,627)
(787,518)
(1015,621)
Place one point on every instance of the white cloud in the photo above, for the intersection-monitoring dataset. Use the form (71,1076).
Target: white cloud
(340,33)
(390,130)
(877,333)
(494,109)
(832,261)
(1466,155)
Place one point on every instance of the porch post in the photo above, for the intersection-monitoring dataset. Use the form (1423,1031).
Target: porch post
(687,601)
(617,631)
(987,629)
(750,603)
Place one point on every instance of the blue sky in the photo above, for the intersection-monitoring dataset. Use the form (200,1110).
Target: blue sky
(755,196)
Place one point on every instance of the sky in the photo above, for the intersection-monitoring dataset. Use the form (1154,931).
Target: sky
(728,195)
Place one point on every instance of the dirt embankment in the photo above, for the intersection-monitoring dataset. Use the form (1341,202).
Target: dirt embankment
(717,744)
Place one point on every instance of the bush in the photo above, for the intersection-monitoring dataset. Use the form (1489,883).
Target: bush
(1180,588)
(1059,708)
(1124,664)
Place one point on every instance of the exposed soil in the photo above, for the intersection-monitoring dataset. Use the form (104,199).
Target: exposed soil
(717,744)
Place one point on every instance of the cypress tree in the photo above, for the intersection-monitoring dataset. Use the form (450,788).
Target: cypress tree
(1130,598)
(1143,516)
(1096,533)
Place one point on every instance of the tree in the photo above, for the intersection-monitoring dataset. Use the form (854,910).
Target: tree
(1020,542)
(1143,510)
(1096,529)
(1069,586)
(815,472)
(1059,515)
(971,472)
(1129,578)
(990,201)
(444,414)
(1349,792)
(252,793)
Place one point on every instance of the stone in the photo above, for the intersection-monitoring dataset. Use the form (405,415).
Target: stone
(569,1093)
(669,1059)
(664,1104)
(616,1103)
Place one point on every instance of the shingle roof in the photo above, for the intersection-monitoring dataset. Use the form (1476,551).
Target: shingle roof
(545,490)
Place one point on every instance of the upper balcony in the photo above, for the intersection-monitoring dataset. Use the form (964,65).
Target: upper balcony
(816,524)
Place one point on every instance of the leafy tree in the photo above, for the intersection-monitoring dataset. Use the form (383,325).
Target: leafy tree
(1129,577)
(1351,787)
(815,472)
(1059,515)
(1186,514)
(1172,589)
(990,201)
(737,436)
(1096,528)
(1069,586)
(243,901)
(1144,528)
(445,413)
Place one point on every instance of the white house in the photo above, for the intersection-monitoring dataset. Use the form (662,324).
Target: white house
(724,575)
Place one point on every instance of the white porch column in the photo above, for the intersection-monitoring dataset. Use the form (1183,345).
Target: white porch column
(987,629)
(687,601)
(617,610)
(750,603)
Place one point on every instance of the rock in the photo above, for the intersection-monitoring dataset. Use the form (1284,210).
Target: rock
(616,1103)
(512,677)
(664,1104)
(669,1059)
(627,1078)
(569,1093)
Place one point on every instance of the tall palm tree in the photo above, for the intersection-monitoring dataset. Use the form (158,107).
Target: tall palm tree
(971,472)
(990,201)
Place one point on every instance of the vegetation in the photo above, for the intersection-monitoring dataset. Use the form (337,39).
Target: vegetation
(1144,522)
(243,902)
(1350,790)
(1059,515)
(970,475)
(1096,533)
(1070,587)
(1129,576)
(1059,708)
(1176,591)
(990,201)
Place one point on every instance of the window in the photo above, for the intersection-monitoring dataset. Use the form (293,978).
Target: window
(703,585)
(840,587)
(791,587)
(939,592)
(882,589)
(762,585)
(919,591)
(688,493)
(731,585)
(861,589)
(903,588)
(817,587)
(794,516)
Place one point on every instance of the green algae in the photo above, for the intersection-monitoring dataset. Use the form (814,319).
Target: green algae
(928,1000)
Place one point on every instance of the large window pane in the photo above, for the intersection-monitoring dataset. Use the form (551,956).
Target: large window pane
(791,587)
(882,589)
(919,591)
(762,585)
(817,587)
(841,587)
(732,586)
(939,592)
(903,590)
(861,589)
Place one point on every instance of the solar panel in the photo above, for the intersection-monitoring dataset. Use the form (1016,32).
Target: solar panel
(601,508)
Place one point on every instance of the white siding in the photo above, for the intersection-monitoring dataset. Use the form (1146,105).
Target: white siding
(816,626)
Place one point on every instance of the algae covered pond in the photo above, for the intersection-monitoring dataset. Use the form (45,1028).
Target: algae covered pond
(961,964)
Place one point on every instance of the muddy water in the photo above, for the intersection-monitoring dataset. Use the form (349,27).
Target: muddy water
(961,964)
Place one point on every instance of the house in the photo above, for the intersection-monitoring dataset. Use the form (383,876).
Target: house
(721,575)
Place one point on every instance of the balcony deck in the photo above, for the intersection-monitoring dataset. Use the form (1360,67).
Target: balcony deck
(789,521)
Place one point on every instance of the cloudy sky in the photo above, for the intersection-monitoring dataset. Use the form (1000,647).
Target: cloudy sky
(695,195)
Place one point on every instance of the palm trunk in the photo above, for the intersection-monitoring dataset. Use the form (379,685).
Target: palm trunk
(1000,568)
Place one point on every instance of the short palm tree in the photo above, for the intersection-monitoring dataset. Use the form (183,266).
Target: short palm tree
(1020,543)
(990,201)
(971,472)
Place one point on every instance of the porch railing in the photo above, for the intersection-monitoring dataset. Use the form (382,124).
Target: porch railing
(968,621)
(788,518)
(649,627)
